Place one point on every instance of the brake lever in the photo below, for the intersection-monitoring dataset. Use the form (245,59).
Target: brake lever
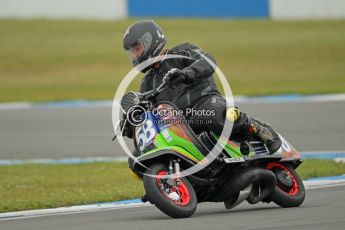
(118,129)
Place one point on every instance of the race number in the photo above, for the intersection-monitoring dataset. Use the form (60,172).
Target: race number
(144,134)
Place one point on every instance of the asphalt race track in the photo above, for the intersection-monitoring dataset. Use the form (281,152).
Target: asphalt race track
(322,209)
(87,132)
(67,132)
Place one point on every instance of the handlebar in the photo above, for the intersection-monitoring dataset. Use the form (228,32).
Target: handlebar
(150,94)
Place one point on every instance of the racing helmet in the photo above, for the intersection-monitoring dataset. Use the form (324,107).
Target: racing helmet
(143,40)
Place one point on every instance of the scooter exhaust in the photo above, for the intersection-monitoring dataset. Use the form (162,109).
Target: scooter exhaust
(253,178)
(244,194)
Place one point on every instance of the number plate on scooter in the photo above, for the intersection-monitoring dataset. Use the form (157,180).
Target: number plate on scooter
(233,160)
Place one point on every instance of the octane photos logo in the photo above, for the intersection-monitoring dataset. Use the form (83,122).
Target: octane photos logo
(188,112)
(137,116)
(117,113)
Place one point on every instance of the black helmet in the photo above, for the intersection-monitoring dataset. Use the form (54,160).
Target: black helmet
(146,34)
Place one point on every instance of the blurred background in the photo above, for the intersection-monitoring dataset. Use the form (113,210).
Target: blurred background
(61,62)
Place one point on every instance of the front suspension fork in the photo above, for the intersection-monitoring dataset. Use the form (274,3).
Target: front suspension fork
(175,173)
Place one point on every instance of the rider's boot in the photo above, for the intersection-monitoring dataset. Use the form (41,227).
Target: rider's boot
(266,133)
(248,125)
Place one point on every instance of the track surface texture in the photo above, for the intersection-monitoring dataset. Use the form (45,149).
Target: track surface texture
(322,209)
(87,132)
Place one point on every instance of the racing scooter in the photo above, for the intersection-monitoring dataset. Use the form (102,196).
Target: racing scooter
(243,170)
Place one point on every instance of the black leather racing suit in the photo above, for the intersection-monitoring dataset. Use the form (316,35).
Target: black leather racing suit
(197,68)
(201,93)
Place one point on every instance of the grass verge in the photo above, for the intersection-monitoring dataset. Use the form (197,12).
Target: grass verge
(47,60)
(33,186)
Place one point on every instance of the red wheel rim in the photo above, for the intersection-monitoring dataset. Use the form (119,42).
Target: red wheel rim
(294,189)
(181,190)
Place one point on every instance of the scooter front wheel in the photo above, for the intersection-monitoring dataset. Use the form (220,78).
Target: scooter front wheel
(176,199)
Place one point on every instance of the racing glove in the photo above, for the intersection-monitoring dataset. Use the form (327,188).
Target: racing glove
(175,77)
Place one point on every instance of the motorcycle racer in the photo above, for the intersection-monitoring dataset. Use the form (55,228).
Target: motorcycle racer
(191,84)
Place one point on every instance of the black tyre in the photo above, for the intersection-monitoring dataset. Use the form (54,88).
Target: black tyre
(175,201)
(289,191)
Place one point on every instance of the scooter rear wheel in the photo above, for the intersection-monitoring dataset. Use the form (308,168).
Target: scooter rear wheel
(289,191)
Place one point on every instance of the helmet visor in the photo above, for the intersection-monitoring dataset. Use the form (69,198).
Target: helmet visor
(138,52)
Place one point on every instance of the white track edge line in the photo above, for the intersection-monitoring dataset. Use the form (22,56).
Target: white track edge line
(104,207)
